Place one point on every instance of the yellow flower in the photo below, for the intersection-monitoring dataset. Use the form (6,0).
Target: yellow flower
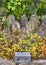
(35,35)
(3,19)
(31,37)
(39,37)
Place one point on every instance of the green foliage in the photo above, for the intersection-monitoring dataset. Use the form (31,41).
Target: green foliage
(34,44)
(19,7)
(42,8)
(28,7)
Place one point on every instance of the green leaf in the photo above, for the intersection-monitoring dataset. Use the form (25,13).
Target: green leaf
(9,6)
(13,8)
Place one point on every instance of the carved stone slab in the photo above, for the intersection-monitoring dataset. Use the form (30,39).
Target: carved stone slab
(22,57)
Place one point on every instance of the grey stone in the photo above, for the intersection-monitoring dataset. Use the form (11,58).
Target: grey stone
(33,24)
(15,26)
(22,34)
(35,62)
(23,21)
(6,62)
(42,29)
(25,64)
(12,39)
(11,19)
(22,57)
(29,27)
(6,31)
(10,62)
(39,62)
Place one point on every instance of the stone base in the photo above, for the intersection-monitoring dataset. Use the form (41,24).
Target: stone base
(34,62)
(39,62)
(6,62)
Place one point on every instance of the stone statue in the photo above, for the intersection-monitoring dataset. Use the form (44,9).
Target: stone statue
(13,25)
(34,19)
(42,29)
(11,19)
(16,26)
(23,21)
(33,24)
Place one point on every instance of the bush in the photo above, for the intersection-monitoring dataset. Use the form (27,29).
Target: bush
(28,7)
(34,44)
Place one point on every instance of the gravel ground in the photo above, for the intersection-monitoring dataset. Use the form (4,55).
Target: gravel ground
(34,62)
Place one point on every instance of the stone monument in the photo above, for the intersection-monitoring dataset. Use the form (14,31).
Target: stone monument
(22,57)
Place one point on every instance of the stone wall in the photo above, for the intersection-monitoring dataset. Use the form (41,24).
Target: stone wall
(26,26)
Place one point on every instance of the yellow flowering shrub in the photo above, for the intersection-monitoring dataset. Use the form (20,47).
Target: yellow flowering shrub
(34,44)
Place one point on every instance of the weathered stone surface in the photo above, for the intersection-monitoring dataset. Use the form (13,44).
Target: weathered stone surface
(15,26)
(22,57)
(6,31)
(23,21)
(6,62)
(11,19)
(39,62)
(33,24)
(12,39)
(42,29)
(34,62)
(29,27)
(25,64)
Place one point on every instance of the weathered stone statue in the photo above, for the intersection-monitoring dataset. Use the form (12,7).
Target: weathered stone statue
(29,27)
(11,19)
(33,24)
(42,29)
(16,26)
(23,21)
(13,25)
